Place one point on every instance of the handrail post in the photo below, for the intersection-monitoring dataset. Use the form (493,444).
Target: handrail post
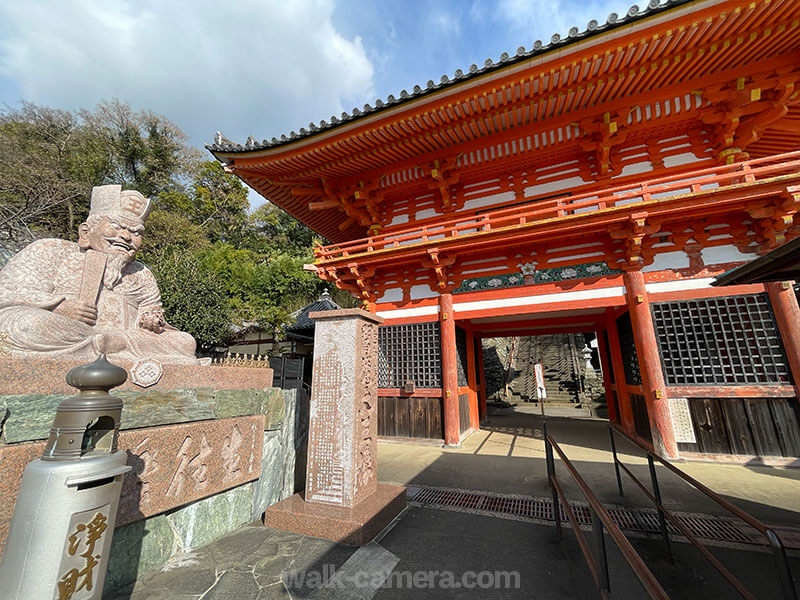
(551,473)
(616,461)
(662,522)
(784,572)
(600,550)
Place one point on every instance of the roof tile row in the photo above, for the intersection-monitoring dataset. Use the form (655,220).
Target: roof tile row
(221,144)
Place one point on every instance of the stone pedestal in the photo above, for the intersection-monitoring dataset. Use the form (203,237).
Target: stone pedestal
(342,501)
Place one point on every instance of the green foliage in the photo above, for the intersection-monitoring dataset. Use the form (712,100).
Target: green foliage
(274,232)
(50,160)
(165,228)
(194,298)
(216,264)
(220,203)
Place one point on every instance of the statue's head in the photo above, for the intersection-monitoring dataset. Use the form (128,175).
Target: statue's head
(116,222)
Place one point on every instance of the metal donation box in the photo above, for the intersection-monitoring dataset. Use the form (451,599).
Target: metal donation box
(60,535)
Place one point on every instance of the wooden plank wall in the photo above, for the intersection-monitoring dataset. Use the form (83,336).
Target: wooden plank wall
(749,426)
(641,420)
(463,413)
(410,417)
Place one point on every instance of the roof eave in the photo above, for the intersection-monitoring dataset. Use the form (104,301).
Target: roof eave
(542,53)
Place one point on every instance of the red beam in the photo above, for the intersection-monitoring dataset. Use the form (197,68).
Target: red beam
(731,391)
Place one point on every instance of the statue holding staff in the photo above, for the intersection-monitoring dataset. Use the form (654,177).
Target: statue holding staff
(61,299)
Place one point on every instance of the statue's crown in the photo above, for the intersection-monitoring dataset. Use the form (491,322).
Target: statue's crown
(110,200)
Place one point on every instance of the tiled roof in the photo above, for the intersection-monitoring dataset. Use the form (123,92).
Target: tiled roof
(301,320)
(574,35)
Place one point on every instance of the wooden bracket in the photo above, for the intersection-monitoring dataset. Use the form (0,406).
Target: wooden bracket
(633,233)
(601,134)
(352,279)
(742,109)
(444,177)
(439,265)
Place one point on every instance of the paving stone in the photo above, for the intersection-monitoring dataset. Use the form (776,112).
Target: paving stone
(233,585)
(188,574)
(276,592)
(239,547)
(272,566)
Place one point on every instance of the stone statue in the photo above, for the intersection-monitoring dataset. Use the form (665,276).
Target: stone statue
(61,299)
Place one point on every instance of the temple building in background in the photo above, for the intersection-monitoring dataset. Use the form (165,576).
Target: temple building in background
(596,183)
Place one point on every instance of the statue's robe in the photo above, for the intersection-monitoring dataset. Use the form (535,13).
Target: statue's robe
(47,272)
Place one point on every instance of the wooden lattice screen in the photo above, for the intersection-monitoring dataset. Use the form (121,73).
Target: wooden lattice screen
(409,353)
(732,340)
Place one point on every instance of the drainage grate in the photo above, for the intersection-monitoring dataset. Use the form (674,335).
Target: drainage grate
(639,520)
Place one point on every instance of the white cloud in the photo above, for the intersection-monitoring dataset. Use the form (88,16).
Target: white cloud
(541,18)
(260,67)
(447,23)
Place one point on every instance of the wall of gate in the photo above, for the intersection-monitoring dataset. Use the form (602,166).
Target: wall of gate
(729,382)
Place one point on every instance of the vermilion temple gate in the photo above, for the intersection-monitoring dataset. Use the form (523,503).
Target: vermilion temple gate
(608,176)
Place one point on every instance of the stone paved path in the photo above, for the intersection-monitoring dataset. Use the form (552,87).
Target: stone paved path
(244,565)
(441,555)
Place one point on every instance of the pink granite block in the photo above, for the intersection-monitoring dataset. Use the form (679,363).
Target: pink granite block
(357,525)
(171,465)
(343,428)
(43,376)
(177,464)
(13,460)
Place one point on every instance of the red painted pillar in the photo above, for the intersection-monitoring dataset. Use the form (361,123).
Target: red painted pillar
(474,421)
(787,315)
(482,391)
(644,335)
(449,371)
(623,400)
(613,412)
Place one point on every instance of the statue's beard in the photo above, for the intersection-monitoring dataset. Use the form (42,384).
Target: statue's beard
(114,267)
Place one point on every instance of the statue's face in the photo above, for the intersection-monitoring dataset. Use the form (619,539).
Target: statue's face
(114,236)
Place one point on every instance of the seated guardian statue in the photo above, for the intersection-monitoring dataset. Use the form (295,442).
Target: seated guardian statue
(61,299)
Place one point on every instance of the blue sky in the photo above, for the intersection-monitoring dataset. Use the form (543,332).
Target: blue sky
(259,67)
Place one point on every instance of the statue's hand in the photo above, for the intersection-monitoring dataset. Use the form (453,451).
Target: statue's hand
(77,310)
(153,321)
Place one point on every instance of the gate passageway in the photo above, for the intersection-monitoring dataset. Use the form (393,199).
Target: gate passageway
(507,456)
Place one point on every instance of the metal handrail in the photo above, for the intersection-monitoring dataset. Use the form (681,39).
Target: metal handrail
(778,549)
(601,521)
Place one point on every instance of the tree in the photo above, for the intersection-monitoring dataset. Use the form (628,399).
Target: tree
(168,229)
(194,298)
(146,151)
(215,264)
(50,160)
(39,188)
(219,203)
(274,231)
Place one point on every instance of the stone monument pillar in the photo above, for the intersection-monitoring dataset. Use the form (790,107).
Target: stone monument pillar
(343,429)
(343,500)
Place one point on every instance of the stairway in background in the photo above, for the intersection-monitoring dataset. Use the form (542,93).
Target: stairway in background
(556,355)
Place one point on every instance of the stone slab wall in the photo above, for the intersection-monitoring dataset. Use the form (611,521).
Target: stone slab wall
(205,462)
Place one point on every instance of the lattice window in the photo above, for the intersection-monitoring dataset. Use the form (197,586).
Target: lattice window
(409,352)
(630,360)
(461,353)
(720,341)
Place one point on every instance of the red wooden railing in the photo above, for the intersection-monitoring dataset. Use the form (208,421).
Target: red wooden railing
(673,186)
